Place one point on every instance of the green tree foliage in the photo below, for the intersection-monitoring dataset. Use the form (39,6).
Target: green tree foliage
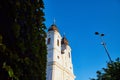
(112,72)
(22,40)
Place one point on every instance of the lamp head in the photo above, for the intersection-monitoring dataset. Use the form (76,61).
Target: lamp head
(96,33)
(102,35)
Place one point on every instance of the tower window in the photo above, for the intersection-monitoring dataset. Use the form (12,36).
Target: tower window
(70,67)
(69,54)
(58,42)
(48,42)
(62,52)
(58,57)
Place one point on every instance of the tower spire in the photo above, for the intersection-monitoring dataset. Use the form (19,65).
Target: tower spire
(54,21)
(64,34)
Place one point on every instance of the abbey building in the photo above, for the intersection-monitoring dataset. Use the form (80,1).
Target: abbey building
(59,59)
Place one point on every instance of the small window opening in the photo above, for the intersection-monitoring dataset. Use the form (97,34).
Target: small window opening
(58,42)
(70,67)
(69,54)
(58,57)
(48,42)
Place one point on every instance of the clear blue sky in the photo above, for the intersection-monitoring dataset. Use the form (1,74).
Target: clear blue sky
(79,19)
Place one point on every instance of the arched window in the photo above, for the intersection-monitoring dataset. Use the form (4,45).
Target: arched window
(48,41)
(69,54)
(58,42)
(58,57)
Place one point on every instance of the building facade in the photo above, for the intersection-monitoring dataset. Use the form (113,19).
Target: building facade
(59,59)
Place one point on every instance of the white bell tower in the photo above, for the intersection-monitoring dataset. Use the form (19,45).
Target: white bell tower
(59,64)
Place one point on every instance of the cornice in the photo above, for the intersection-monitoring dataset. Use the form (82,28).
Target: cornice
(61,67)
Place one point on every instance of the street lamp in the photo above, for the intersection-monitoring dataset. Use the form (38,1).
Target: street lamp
(104,45)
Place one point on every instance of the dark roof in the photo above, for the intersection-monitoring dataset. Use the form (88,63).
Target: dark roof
(64,41)
(53,27)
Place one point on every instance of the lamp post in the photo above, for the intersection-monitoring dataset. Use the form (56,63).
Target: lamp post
(104,45)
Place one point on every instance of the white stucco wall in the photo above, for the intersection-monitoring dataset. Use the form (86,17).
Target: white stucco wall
(58,65)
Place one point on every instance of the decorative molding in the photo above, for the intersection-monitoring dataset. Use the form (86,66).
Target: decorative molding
(54,49)
(61,67)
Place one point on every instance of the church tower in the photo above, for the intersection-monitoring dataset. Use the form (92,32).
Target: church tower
(59,61)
